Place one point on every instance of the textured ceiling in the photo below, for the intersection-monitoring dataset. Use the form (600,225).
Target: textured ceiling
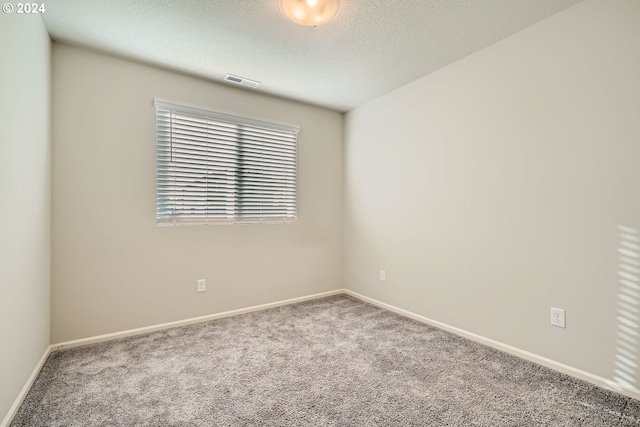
(371,48)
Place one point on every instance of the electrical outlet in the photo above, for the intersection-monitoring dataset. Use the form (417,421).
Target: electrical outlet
(557,317)
(202,285)
(383,276)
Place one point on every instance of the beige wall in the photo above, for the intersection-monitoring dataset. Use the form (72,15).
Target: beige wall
(25,170)
(113,268)
(495,188)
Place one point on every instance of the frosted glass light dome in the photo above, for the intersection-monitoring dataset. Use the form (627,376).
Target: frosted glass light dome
(311,13)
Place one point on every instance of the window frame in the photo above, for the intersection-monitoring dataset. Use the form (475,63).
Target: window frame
(228,118)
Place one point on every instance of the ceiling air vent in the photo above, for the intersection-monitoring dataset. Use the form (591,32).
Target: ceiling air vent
(241,81)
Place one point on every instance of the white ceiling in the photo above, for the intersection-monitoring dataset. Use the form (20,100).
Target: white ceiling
(371,48)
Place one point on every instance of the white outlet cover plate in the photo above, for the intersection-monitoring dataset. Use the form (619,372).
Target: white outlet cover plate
(558,317)
(202,285)
(383,276)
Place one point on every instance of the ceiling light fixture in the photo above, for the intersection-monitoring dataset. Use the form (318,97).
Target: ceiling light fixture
(310,12)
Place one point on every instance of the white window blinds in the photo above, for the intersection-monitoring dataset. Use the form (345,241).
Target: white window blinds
(214,167)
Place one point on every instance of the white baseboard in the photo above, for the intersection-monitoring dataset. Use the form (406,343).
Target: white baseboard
(540,360)
(169,325)
(27,386)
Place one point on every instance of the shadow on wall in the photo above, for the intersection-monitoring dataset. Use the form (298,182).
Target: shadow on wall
(627,361)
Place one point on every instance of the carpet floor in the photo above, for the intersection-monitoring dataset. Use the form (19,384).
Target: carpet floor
(334,361)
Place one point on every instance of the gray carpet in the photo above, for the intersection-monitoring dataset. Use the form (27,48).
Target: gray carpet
(328,362)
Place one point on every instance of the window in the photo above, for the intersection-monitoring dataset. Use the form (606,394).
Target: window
(215,167)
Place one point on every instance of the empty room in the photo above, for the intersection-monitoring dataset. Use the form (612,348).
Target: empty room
(320,213)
